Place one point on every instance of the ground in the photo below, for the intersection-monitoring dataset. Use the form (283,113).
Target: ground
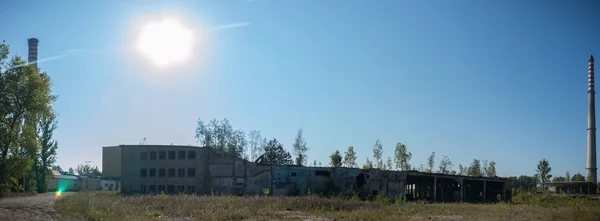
(36,207)
(110,206)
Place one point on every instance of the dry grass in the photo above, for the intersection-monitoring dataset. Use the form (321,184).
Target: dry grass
(109,206)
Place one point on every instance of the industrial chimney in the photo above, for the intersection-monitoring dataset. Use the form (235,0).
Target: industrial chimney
(33,51)
(591,168)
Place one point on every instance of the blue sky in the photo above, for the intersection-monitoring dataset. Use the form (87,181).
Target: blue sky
(492,80)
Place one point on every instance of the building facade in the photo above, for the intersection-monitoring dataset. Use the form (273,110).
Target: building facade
(189,169)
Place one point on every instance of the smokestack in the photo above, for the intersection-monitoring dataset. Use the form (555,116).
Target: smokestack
(33,51)
(591,168)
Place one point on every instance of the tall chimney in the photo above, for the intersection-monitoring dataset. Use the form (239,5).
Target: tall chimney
(591,168)
(33,51)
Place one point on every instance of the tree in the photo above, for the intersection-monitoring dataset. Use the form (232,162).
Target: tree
(558,179)
(402,157)
(484,168)
(377,153)
(255,143)
(71,171)
(461,170)
(57,168)
(300,149)
(87,169)
(578,178)
(276,155)
(221,137)
(475,168)
(350,158)
(389,163)
(25,96)
(568,177)
(336,159)
(543,171)
(368,164)
(445,165)
(491,169)
(315,163)
(430,162)
(46,156)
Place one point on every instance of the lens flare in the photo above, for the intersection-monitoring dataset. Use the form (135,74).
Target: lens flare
(58,194)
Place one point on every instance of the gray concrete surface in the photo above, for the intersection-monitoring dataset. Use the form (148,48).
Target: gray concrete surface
(34,208)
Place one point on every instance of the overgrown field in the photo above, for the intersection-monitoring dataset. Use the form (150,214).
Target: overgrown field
(110,206)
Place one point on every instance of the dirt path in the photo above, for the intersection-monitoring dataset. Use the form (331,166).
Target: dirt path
(34,208)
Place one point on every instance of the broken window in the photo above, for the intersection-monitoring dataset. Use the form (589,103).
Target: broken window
(161,155)
(191,172)
(152,173)
(144,155)
(182,155)
(161,172)
(293,173)
(191,155)
(171,172)
(322,173)
(171,155)
(153,155)
(181,172)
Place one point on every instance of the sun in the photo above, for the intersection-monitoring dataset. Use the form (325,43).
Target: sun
(165,42)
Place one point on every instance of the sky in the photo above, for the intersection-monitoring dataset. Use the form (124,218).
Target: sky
(490,80)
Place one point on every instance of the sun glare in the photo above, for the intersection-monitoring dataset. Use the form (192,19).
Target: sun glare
(165,42)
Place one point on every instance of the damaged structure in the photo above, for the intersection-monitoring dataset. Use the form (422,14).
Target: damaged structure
(200,170)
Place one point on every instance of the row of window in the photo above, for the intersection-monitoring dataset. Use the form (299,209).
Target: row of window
(162,172)
(168,189)
(162,155)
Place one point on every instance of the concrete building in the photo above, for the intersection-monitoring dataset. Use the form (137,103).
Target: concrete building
(189,169)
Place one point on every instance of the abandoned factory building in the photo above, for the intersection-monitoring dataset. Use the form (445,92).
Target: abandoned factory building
(190,169)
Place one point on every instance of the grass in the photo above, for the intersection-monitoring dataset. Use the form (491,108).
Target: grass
(110,206)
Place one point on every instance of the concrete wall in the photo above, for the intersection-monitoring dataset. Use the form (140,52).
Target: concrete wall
(111,161)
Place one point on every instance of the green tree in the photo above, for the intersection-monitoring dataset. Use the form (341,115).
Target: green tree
(402,157)
(368,164)
(491,169)
(568,177)
(558,179)
(276,155)
(543,171)
(378,153)
(445,165)
(25,95)
(87,169)
(578,178)
(315,163)
(255,143)
(300,149)
(350,158)
(431,162)
(389,163)
(336,159)
(47,154)
(461,170)
(71,171)
(220,136)
(475,168)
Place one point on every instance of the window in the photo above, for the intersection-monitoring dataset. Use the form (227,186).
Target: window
(171,154)
(153,155)
(191,172)
(152,173)
(152,188)
(143,172)
(191,154)
(293,173)
(161,172)
(180,188)
(182,154)
(171,172)
(190,189)
(181,172)
(143,188)
(161,155)
(161,188)
(170,189)
(144,155)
